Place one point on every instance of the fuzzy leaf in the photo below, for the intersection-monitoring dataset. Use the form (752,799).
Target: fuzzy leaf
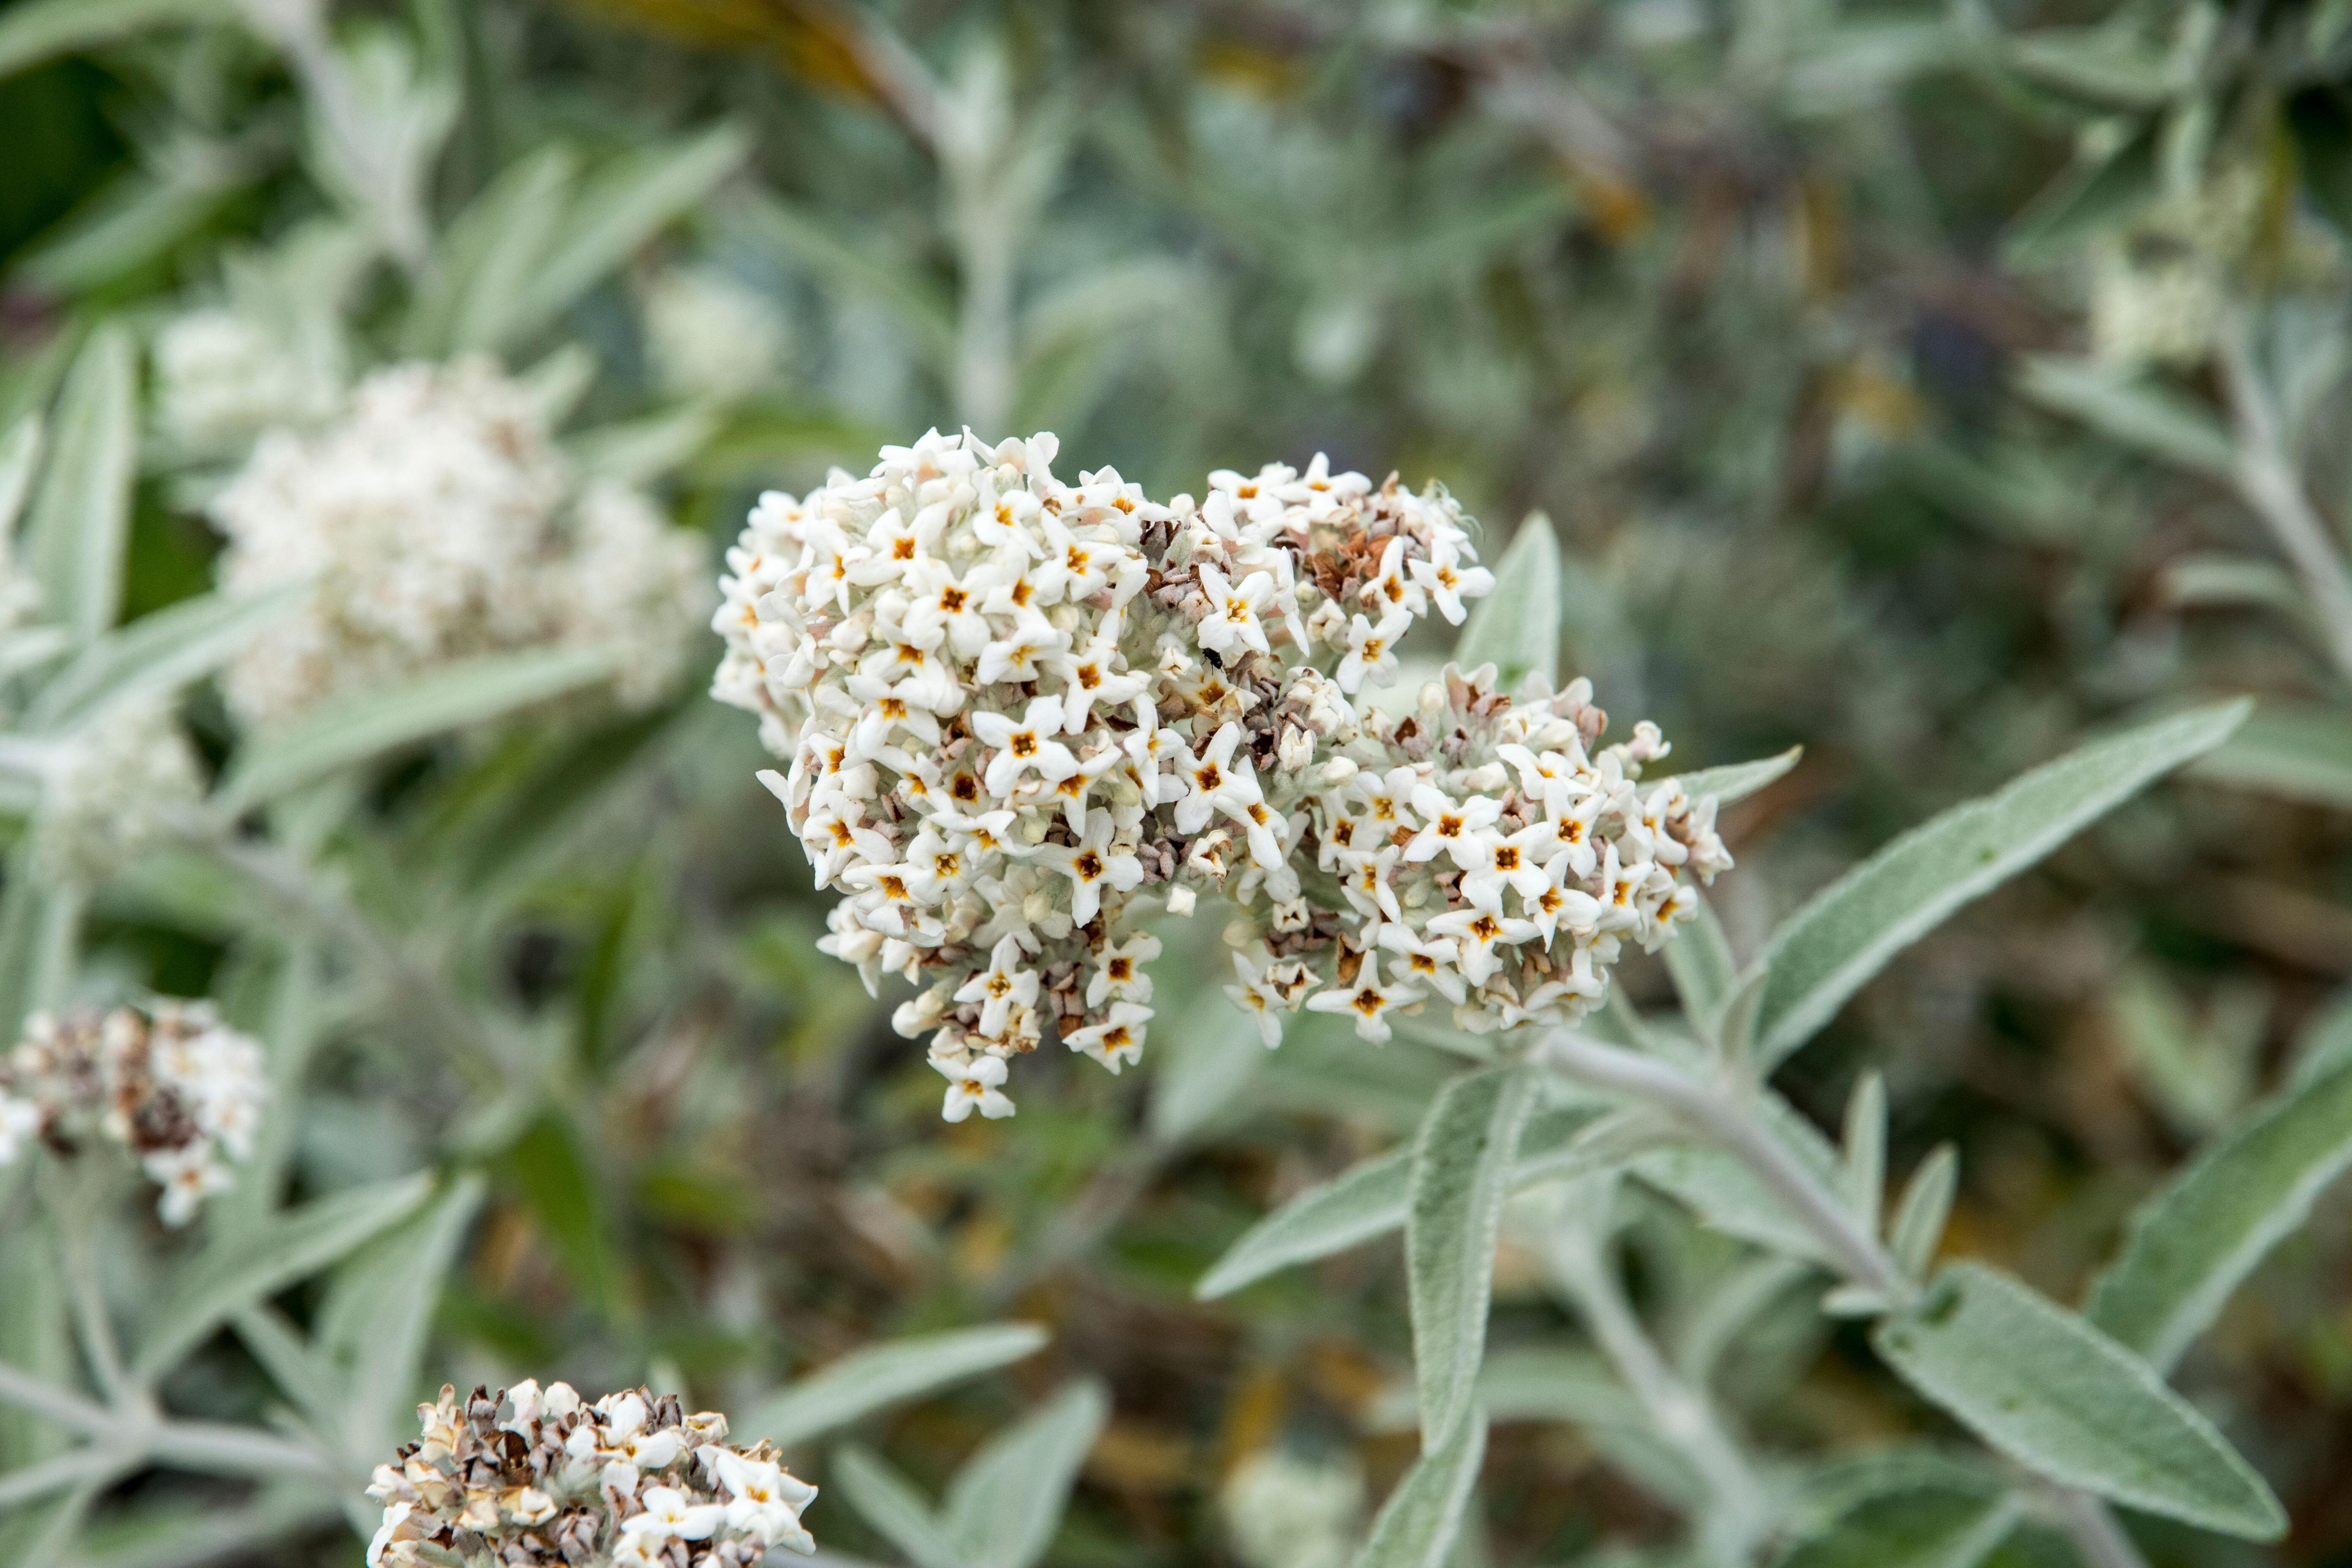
(2134,413)
(1417,1526)
(867,1381)
(1461,1178)
(1842,938)
(2191,1244)
(1004,1505)
(43,29)
(1517,627)
(888,1502)
(1700,962)
(1926,1204)
(1369,1200)
(80,521)
(157,654)
(345,733)
(232,1274)
(2065,1401)
(1737,780)
(485,260)
(20,459)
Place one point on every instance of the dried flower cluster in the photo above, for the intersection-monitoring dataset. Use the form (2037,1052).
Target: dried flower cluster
(170,1082)
(540,1475)
(1021,714)
(437,519)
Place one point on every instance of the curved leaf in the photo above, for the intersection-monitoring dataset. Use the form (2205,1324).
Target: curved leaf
(870,1380)
(1004,1505)
(1831,948)
(1517,627)
(2065,1401)
(2192,1243)
(1417,1526)
(157,653)
(1461,1177)
(80,521)
(1737,780)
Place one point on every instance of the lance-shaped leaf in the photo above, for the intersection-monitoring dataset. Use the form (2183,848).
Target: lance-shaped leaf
(1737,780)
(82,512)
(2299,752)
(1461,1178)
(2192,1243)
(2065,1401)
(1369,1200)
(234,1273)
(2136,412)
(378,1313)
(1517,627)
(343,734)
(157,654)
(1417,1526)
(1849,930)
(20,459)
(43,29)
(1004,1505)
(867,1381)
(888,1502)
(485,262)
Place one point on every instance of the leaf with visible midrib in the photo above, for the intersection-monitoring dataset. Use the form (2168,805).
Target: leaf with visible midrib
(2192,1243)
(1848,931)
(2065,1401)
(1461,1177)
(1004,1505)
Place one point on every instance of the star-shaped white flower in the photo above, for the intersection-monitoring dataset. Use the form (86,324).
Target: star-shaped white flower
(1366,1000)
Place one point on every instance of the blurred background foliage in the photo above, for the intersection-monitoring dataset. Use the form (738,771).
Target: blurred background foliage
(1791,316)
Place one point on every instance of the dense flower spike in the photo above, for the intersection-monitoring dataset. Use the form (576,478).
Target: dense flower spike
(1023,715)
(170,1082)
(538,1476)
(437,519)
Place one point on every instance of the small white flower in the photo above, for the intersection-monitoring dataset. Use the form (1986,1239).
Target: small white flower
(976,1085)
(1372,650)
(1117,1040)
(1448,580)
(1366,999)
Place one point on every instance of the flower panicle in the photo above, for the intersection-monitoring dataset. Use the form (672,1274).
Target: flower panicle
(168,1081)
(532,1475)
(1019,716)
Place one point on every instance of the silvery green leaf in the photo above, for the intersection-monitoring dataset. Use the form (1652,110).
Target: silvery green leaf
(867,1381)
(2105,65)
(1735,780)
(2136,412)
(1846,934)
(2196,1072)
(482,265)
(640,450)
(2190,1246)
(302,1375)
(853,264)
(1461,1177)
(33,1333)
(20,459)
(1517,627)
(1927,1204)
(1417,1526)
(82,511)
(378,1313)
(136,221)
(156,654)
(1205,1062)
(1721,1192)
(233,1273)
(2297,750)
(1865,1149)
(43,29)
(1369,1199)
(888,1502)
(1927,1528)
(559,381)
(1530,1384)
(2324,1041)
(1004,1507)
(177,1535)
(2067,1402)
(1853,1301)
(617,209)
(1700,962)
(344,733)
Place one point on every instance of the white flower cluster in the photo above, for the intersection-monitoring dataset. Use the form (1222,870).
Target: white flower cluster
(540,1475)
(222,380)
(708,335)
(170,1082)
(114,791)
(1284,1510)
(437,519)
(1012,705)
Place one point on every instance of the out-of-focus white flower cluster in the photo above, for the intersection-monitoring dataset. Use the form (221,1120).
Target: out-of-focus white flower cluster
(1284,1510)
(707,335)
(1012,705)
(437,519)
(221,379)
(170,1082)
(114,789)
(538,1476)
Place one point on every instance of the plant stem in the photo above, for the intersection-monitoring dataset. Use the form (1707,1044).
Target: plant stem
(2269,482)
(1738,1514)
(1727,1115)
(42,1397)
